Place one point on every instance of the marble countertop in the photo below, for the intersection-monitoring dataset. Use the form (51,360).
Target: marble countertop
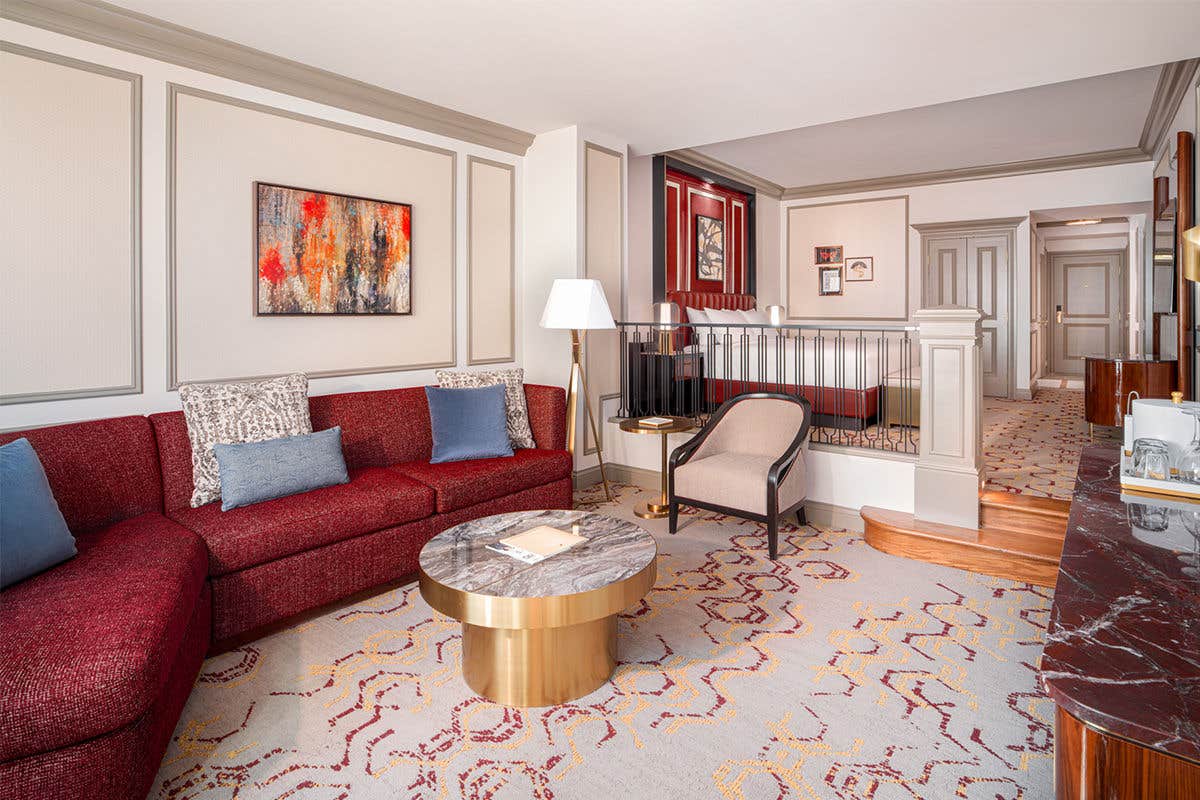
(1123,649)
(615,550)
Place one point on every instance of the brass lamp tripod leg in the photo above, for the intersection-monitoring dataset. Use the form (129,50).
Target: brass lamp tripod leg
(572,405)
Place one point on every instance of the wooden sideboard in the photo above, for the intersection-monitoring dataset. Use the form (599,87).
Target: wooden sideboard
(1107,383)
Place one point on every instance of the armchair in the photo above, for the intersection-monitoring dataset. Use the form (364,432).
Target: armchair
(748,462)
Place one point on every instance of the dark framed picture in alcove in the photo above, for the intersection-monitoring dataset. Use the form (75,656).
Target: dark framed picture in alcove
(710,248)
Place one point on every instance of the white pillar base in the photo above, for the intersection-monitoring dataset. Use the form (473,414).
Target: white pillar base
(947,496)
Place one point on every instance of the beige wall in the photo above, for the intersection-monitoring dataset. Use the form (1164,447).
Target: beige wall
(222,146)
(604,231)
(877,228)
(70,307)
(491,265)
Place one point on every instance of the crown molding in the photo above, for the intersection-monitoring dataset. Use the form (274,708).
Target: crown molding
(1101,158)
(698,159)
(143,35)
(969,224)
(1174,81)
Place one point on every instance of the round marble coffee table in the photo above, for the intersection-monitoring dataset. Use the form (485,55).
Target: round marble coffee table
(545,633)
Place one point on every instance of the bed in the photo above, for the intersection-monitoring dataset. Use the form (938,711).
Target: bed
(836,373)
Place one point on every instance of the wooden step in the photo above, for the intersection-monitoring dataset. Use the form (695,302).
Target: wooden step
(1040,516)
(1005,553)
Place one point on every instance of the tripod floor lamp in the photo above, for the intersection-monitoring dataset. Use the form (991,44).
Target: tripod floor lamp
(578,304)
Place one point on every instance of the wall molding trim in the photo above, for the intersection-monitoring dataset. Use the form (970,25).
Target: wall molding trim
(135,386)
(707,162)
(968,226)
(1173,83)
(174,91)
(143,35)
(1101,158)
(512,259)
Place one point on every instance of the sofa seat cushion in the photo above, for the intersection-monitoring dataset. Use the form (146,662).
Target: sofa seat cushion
(464,483)
(87,646)
(375,498)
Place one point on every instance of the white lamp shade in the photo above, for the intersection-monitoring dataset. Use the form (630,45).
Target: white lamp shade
(577,304)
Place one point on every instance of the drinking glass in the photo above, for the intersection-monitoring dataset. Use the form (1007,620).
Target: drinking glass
(1151,458)
(1189,460)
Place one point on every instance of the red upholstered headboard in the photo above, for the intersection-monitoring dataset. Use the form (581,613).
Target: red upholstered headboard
(686,300)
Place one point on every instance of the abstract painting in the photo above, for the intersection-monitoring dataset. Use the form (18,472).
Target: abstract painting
(324,253)
(710,248)
(860,269)
(828,254)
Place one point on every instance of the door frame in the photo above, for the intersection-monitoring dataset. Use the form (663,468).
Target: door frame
(1122,294)
(999,226)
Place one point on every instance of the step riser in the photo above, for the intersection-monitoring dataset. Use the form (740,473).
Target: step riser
(1012,519)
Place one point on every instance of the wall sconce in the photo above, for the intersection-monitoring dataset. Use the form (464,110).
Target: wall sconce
(1190,257)
(666,318)
(776,316)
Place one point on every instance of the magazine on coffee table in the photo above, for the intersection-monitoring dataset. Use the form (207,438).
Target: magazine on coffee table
(536,544)
(655,422)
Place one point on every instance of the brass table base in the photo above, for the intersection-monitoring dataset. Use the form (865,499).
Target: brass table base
(652,510)
(539,666)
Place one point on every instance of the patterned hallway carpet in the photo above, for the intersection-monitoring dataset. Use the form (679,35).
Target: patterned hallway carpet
(835,672)
(1033,446)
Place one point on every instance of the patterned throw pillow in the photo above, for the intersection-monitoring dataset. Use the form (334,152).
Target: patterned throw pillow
(228,413)
(515,409)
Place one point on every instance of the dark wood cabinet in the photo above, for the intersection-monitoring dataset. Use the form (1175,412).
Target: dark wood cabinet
(1107,383)
(667,384)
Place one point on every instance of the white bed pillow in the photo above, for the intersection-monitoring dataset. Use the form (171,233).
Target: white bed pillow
(696,316)
(721,316)
(756,317)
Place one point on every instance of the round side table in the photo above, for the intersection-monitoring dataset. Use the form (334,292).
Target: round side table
(678,425)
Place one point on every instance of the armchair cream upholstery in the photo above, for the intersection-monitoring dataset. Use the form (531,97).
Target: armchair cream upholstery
(748,461)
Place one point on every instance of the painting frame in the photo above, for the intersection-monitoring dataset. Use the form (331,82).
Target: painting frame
(717,274)
(830,281)
(827,254)
(859,268)
(255,188)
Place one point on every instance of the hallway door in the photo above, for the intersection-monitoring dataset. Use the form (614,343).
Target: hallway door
(972,271)
(1087,308)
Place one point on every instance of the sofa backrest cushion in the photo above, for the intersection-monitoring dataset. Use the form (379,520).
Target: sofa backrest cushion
(378,429)
(101,472)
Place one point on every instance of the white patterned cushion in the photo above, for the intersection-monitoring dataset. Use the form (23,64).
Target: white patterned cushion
(229,413)
(515,409)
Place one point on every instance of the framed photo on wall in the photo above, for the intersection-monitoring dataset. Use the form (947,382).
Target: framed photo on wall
(827,254)
(320,253)
(830,280)
(710,248)
(860,269)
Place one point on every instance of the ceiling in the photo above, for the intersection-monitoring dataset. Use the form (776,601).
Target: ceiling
(680,73)
(1082,116)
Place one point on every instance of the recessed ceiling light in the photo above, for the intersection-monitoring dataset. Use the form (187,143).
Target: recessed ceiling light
(1083,222)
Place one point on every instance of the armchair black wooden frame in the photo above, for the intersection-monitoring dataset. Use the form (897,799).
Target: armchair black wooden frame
(779,470)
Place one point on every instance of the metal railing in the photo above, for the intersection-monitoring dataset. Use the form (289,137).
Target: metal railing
(863,381)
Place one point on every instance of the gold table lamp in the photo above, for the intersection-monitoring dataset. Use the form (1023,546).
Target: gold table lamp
(578,304)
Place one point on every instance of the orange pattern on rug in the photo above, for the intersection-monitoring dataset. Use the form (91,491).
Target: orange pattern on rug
(835,672)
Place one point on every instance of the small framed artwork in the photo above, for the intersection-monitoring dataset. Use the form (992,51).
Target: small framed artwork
(710,248)
(860,269)
(830,279)
(828,254)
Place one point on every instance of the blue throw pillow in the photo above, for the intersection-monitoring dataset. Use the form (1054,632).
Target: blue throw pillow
(468,423)
(33,533)
(252,472)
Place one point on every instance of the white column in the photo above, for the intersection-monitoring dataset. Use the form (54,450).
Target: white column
(950,461)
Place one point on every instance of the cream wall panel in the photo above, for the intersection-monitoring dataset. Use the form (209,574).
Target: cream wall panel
(221,146)
(491,267)
(69,156)
(603,248)
(877,228)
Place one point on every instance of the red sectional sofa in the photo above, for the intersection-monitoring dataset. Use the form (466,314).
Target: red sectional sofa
(98,655)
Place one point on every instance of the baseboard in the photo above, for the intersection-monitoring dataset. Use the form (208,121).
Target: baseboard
(618,473)
(827,515)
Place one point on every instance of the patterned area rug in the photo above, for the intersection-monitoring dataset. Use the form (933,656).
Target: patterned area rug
(1033,446)
(835,672)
